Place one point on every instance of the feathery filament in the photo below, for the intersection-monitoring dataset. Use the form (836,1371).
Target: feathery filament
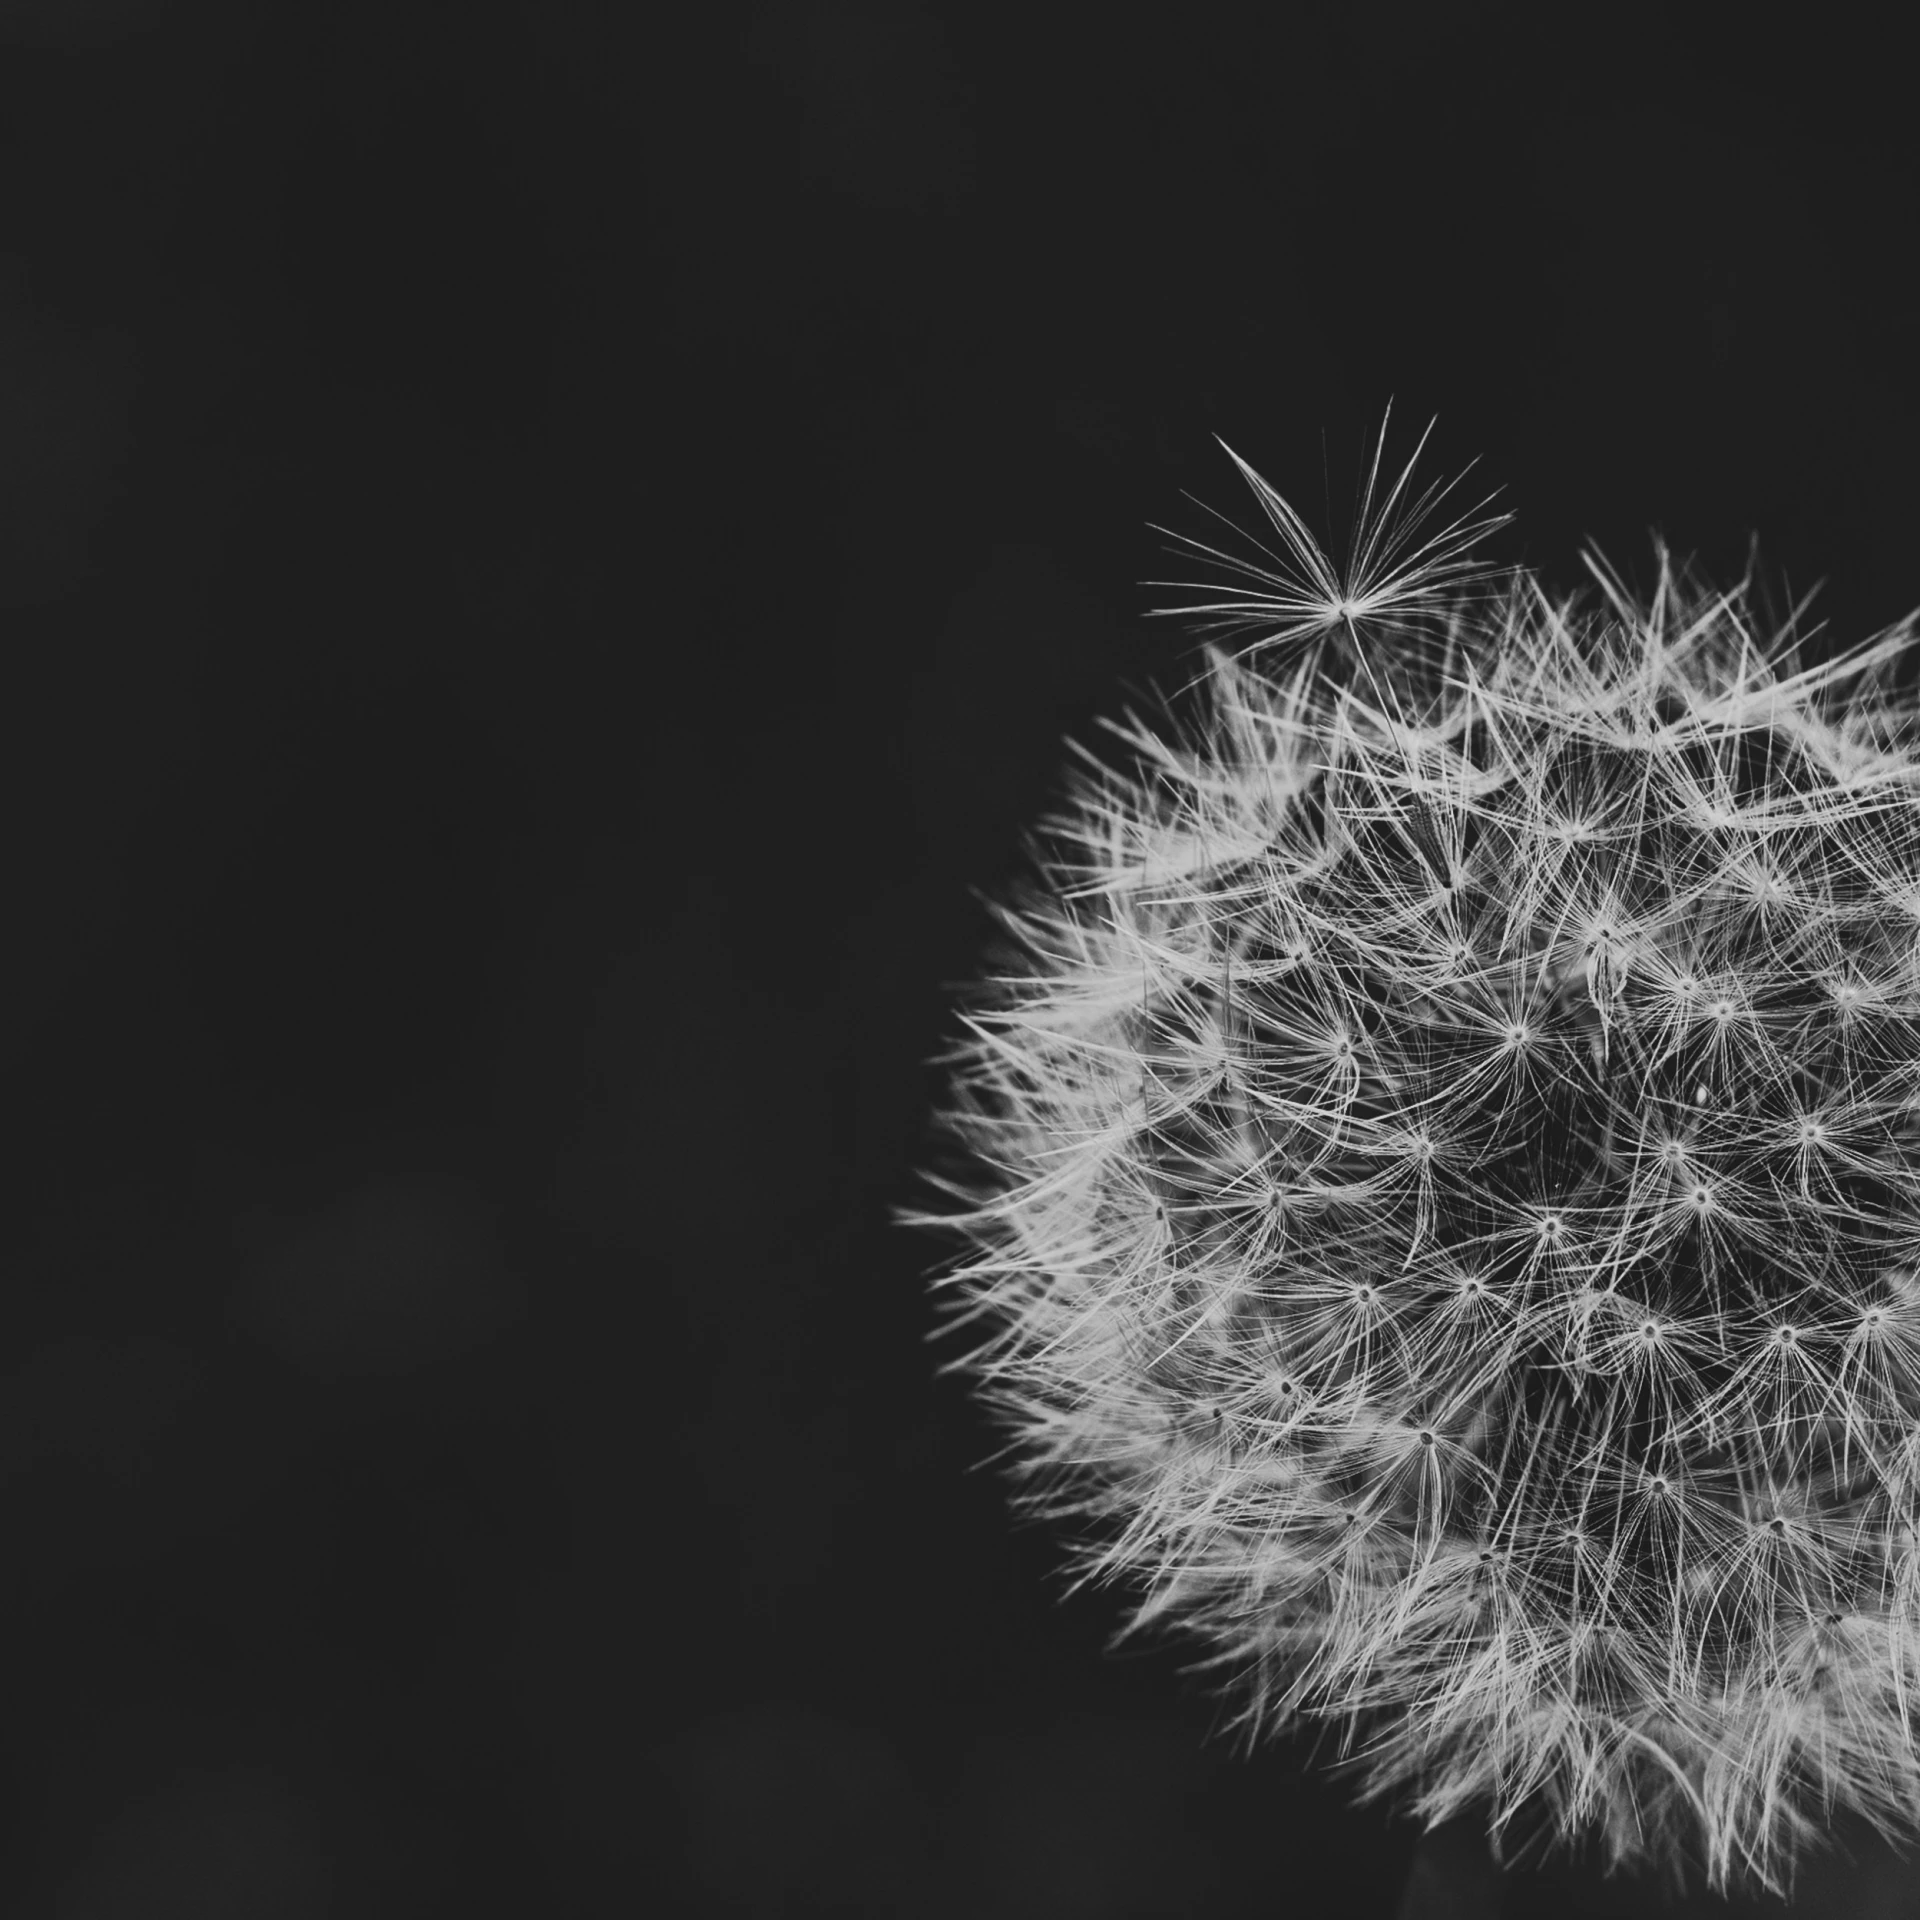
(1443,1199)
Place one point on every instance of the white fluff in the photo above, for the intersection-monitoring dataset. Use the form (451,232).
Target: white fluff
(1440,1194)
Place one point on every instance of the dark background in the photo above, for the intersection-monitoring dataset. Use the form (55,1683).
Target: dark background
(543,552)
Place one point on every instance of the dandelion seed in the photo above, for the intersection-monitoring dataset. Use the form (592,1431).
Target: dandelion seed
(1439,1177)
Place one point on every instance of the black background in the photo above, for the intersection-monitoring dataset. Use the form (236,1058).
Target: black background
(542,554)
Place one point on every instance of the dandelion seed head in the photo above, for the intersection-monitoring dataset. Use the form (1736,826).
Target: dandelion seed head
(1437,1170)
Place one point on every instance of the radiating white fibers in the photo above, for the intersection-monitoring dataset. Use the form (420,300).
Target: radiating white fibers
(1438,1180)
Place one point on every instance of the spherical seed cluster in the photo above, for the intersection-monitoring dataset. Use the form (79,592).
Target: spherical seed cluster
(1444,1200)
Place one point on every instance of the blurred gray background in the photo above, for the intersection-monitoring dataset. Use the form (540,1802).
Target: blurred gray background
(543,552)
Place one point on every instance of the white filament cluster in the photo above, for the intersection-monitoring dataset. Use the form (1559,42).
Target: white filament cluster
(1442,1203)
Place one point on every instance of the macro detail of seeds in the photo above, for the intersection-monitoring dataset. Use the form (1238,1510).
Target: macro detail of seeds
(1438,1174)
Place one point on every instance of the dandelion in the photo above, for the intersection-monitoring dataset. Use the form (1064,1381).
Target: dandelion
(1438,1187)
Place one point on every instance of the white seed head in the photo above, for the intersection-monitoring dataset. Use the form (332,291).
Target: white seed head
(1440,1190)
